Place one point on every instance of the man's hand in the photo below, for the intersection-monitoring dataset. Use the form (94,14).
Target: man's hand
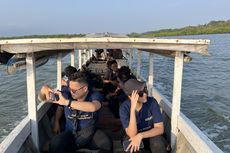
(134,98)
(62,100)
(135,142)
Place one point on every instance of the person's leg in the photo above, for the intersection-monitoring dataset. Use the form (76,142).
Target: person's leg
(157,144)
(62,142)
(102,142)
(114,106)
(84,136)
(146,144)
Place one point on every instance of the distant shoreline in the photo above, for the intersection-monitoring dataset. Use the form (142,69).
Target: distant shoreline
(213,27)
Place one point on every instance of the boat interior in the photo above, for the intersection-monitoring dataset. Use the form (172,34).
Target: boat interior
(34,132)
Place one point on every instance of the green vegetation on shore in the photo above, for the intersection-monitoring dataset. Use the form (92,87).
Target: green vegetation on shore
(213,27)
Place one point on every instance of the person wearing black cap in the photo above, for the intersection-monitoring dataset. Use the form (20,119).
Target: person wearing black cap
(141,118)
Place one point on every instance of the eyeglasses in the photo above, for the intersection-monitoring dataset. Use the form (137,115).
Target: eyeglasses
(141,93)
(75,91)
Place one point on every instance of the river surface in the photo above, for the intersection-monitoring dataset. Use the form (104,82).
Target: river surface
(205,91)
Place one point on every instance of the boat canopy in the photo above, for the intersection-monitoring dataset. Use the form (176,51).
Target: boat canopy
(154,45)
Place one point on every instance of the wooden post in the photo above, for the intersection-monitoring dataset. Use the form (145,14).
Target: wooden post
(176,99)
(84,56)
(31,97)
(138,64)
(91,52)
(79,59)
(59,70)
(73,58)
(151,77)
(130,58)
(88,54)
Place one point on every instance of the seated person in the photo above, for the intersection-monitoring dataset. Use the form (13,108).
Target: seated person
(68,71)
(111,87)
(81,107)
(109,56)
(110,79)
(141,118)
(100,55)
(95,81)
(124,74)
(111,73)
(115,53)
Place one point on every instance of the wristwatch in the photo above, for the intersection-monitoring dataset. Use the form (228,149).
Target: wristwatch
(69,104)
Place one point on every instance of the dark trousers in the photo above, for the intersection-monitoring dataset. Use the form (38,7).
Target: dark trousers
(155,144)
(67,141)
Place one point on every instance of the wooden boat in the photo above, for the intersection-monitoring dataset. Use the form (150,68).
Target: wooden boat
(31,133)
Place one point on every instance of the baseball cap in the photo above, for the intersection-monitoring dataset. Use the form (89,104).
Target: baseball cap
(133,84)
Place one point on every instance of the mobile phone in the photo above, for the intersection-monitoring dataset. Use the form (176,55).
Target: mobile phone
(53,96)
(127,142)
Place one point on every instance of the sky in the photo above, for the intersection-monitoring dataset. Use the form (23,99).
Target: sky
(30,17)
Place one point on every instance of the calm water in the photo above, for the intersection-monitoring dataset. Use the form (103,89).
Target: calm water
(205,92)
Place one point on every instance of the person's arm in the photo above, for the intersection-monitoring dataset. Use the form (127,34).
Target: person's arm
(107,81)
(58,115)
(157,130)
(131,130)
(79,105)
(86,106)
(136,140)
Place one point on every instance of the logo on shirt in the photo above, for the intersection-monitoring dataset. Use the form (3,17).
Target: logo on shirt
(148,118)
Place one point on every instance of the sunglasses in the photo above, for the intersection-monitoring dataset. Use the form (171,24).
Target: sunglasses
(141,93)
(75,91)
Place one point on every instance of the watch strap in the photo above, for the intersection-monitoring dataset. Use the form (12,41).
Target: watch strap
(69,104)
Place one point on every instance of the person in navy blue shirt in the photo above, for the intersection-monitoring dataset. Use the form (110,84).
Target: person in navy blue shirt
(81,107)
(141,118)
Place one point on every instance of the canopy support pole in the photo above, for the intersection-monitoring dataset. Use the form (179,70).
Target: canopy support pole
(88,54)
(130,58)
(79,59)
(73,58)
(138,63)
(84,56)
(151,77)
(59,70)
(91,53)
(176,99)
(31,97)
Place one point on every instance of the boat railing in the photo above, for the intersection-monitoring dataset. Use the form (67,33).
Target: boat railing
(16,138)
